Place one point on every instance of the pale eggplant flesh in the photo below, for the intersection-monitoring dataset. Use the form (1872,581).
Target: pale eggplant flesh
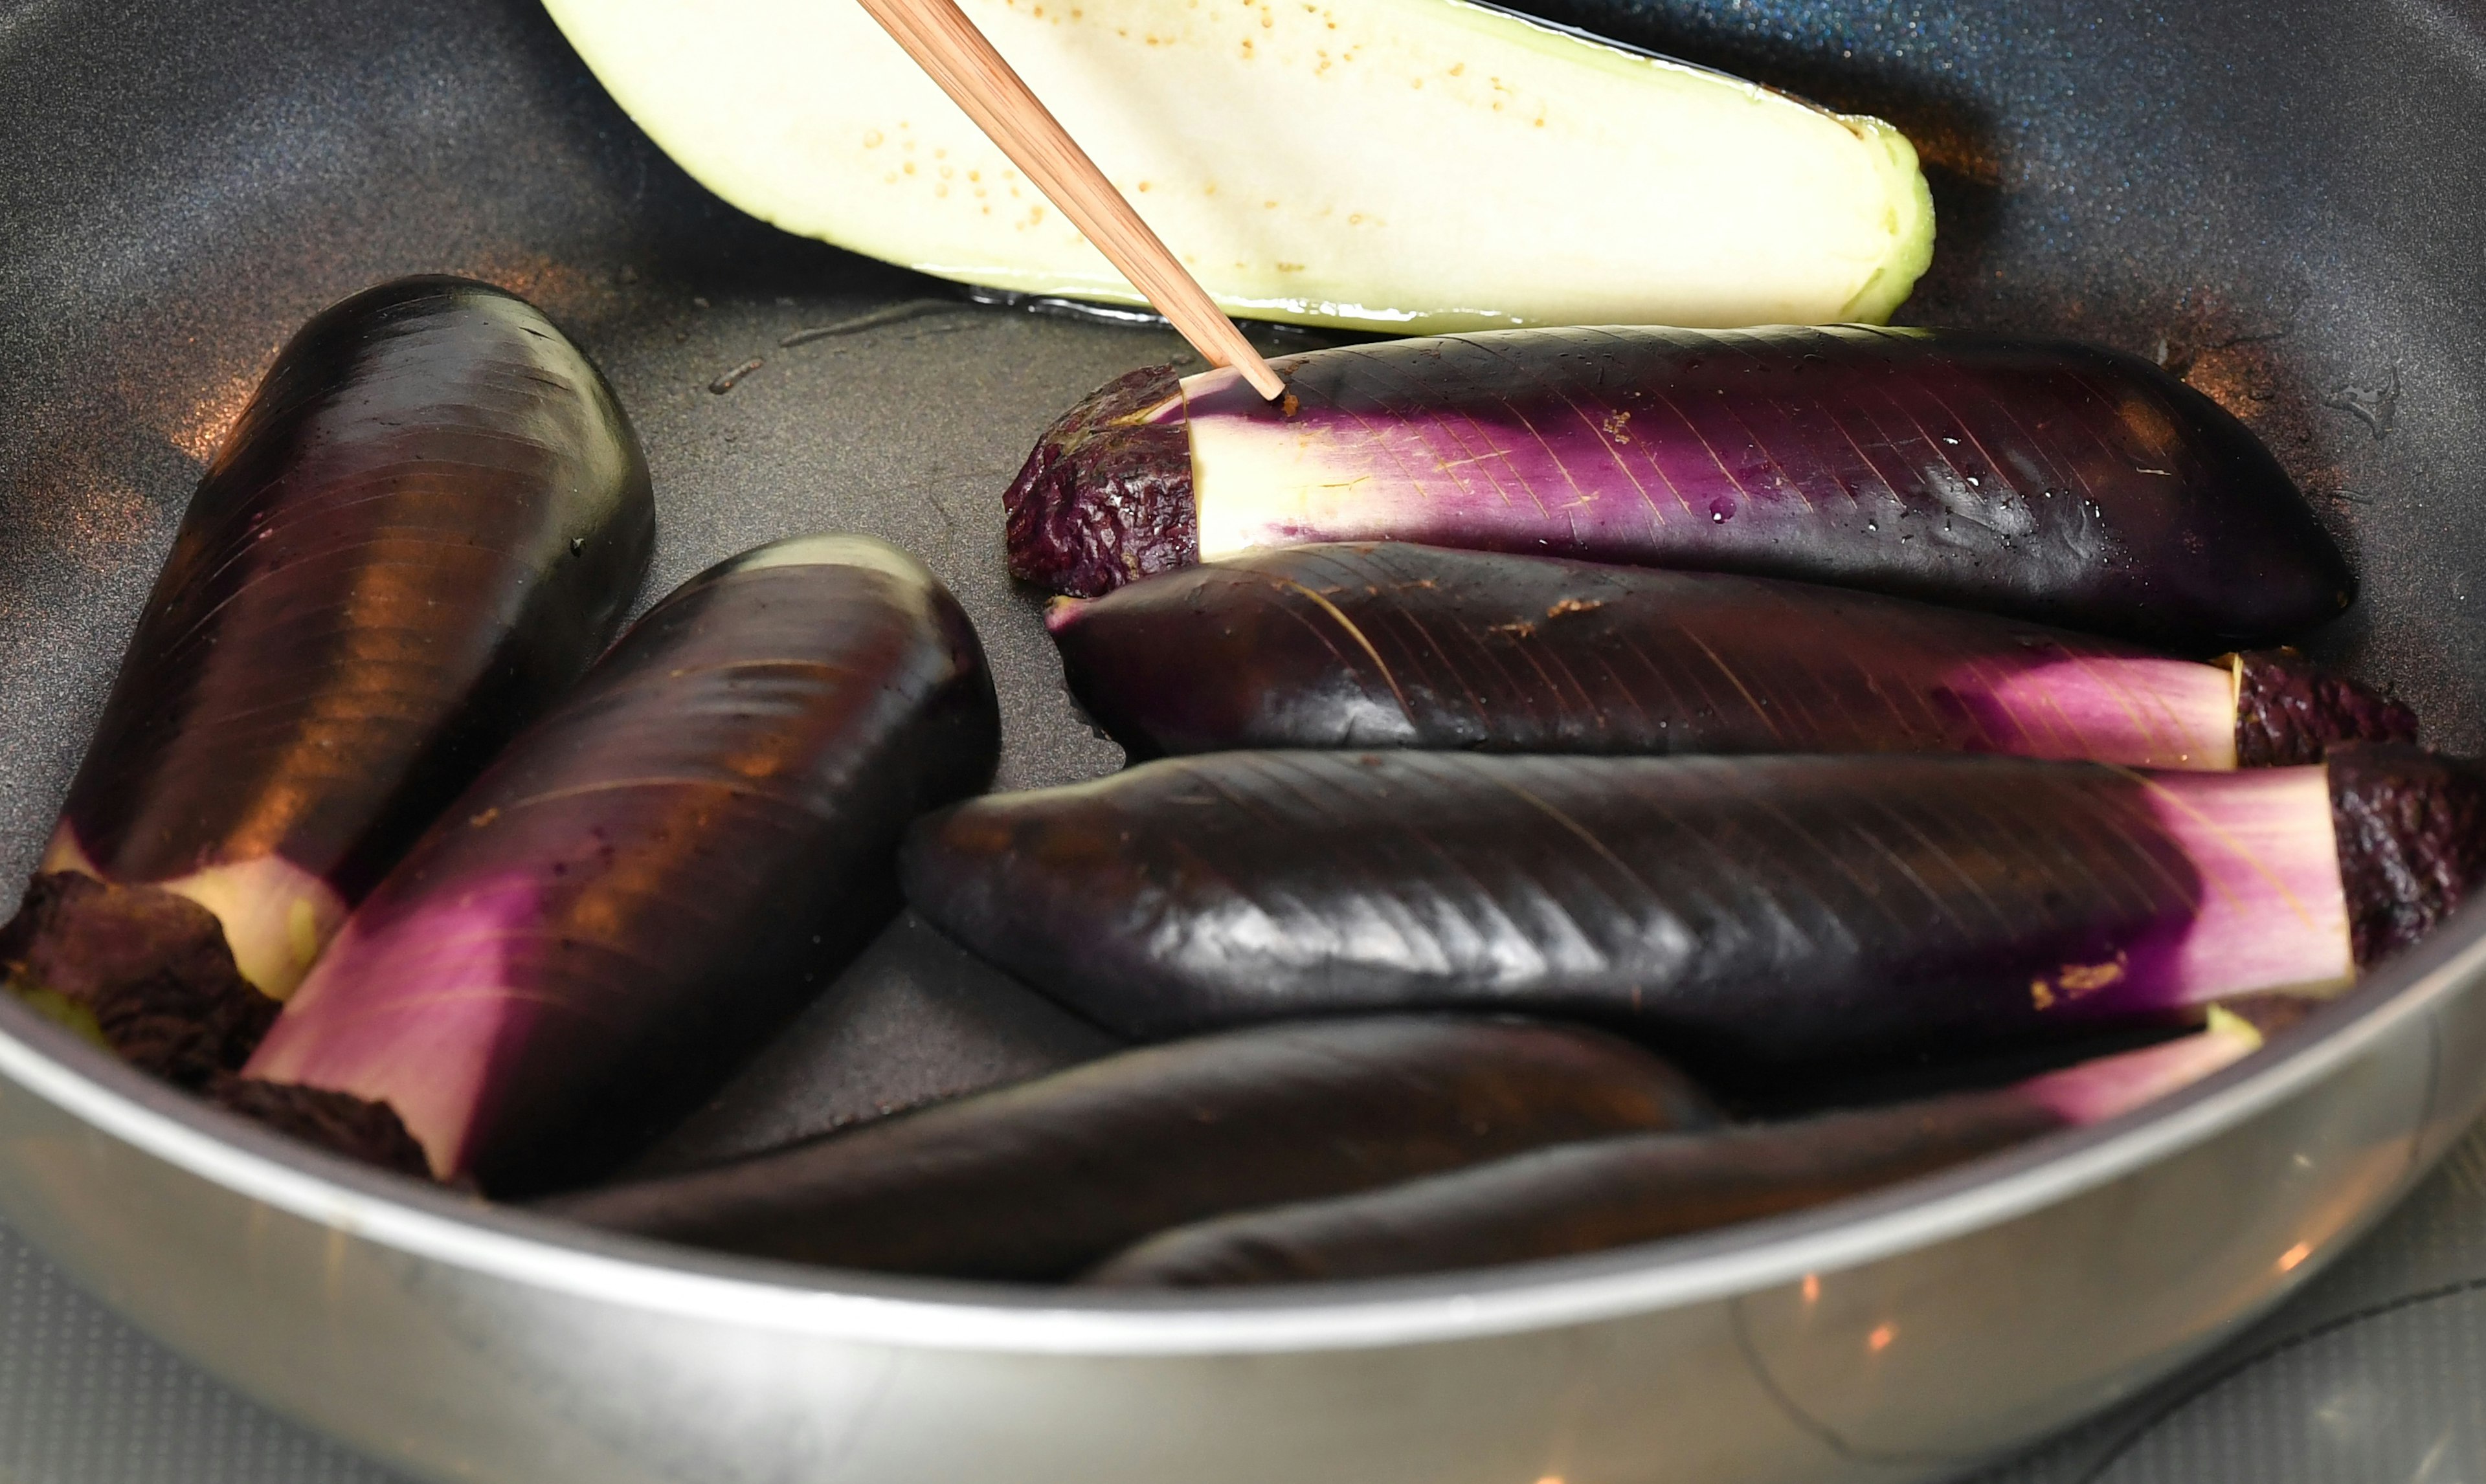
(1041,1180)
(1394,643)
(1610,1192)
(2045,479)
(427,520)
(650,879)
(1760,917)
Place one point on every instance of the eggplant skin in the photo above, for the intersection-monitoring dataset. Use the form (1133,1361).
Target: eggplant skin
(1394,643)
(1582,1197)
(1749,914)
(2046,480)
(429,518)
(660,870)
(1037,1181)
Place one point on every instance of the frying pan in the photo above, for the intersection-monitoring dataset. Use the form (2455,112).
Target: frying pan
(2279,198)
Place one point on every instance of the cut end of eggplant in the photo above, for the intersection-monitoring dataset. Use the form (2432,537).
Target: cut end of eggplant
(2411,840)
(2290,710)
(146,971)
(1105,497)
(338,1122)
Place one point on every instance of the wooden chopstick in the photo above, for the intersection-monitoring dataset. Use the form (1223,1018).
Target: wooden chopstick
(946,43)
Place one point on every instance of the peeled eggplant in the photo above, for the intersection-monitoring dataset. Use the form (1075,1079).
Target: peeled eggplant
(2044,479)
(1752,915)
(427,520)
(1393,165)
(697,837)
(1041,1180)
(1393,644)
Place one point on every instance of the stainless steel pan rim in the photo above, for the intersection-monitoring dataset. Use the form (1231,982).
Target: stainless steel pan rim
(512,1244)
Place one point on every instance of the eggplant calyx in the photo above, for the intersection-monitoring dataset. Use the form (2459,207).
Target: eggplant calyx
(1106,496)
(2290,710)
(147,969)
(338,1122)
(2411,826)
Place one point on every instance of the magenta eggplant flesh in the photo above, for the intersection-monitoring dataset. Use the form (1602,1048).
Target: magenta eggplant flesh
(429,519)
(1753,916)
(654,876)
(2044,479)
(1394,643)
(1038,1181)
(1609,1193)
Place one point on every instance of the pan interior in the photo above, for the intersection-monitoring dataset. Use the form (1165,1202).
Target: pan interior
(2251,194)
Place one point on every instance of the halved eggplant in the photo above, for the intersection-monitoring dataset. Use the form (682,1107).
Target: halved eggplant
(1041,1180)
(427,520)
(1752,915)
(651,877)
(1398,645)
(1609,1193)
(2040,478)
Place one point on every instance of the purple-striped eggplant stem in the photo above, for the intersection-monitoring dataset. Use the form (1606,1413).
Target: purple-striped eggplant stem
(693,841)
(1041,1180)
(2041,479)
(1750,914)
(1612,1193)
(1398,645)
(427,521)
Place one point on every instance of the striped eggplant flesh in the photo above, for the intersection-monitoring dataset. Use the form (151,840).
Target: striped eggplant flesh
(1043,1179)
(651,878)
(427,520)
(1756,916)
(1399,645)
(1602,1193)
(2044,479)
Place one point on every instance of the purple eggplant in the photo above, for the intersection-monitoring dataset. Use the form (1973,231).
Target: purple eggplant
(1752,915)
(429,519)
(2040,478)
(1397,644)
(654,875)
(1041,1180)
(1610,1192)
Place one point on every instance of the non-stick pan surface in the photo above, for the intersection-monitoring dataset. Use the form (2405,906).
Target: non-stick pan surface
(2279,200)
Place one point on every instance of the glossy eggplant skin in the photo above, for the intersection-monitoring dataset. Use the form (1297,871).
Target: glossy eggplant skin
(429,518)
(1582,1197)
(1038,1181)
(2046,480)
(692,842)
(1749,915)
(1398,645)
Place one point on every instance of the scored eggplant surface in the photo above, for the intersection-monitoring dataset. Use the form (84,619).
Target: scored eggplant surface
(1754,913)
(1398,645)
(1609,1193)
(1047,1177)
(694,841)
(2046,480)
(427,520)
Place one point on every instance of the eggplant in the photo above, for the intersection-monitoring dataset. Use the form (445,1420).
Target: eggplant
(1393,165)
(1760,918)
(650,878)
(1609,1193)
(1398,645)
(1041,1180)
(429,519)
(2045,479)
